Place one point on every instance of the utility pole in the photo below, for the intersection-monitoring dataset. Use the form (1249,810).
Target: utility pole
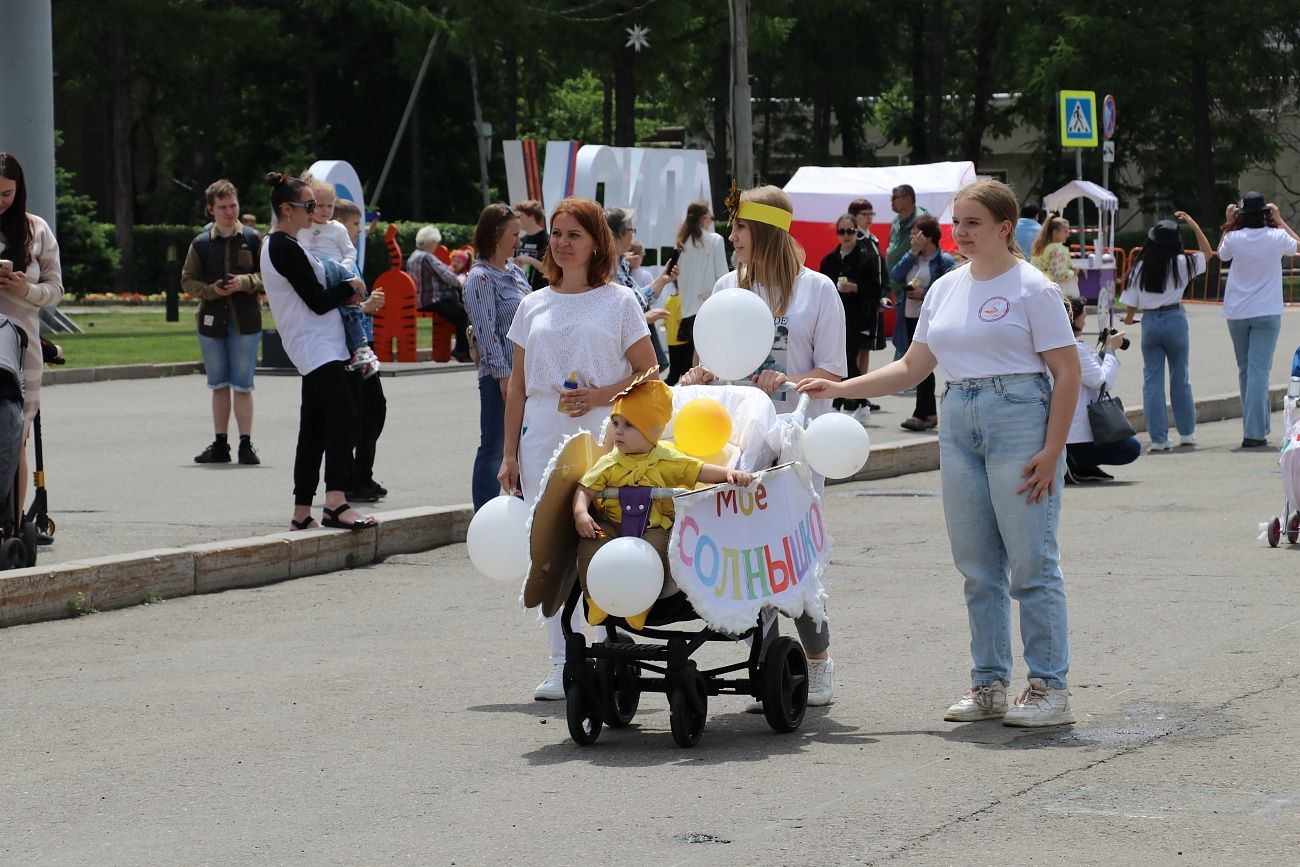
(27,100)
(483,131)
(742,115)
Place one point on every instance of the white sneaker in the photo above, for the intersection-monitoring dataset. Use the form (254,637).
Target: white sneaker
(753,706)
(1160,447)
(1040,705)
(979,702)
(820,688)
(1189,440)
(862,415)
(551,689)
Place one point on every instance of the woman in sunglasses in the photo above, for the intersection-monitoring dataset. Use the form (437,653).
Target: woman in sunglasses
(849,267)
(306,309)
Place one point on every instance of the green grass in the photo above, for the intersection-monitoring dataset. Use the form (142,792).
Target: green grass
(146,337)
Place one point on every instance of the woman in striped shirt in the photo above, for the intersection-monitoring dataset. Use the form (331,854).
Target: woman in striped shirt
(493,289)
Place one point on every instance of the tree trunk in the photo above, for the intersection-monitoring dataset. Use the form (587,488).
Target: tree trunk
(849,117)
(1202,144)
(718,169)
(123,156)
(624,98)
(916,137)
(821,131)
(606,111)
(512,94)
(987,28)
(313,108)
(208,163)
(934,47)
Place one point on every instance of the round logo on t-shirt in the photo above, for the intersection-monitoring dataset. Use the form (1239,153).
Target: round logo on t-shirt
(994,309)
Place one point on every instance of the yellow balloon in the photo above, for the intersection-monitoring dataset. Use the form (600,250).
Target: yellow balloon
(701,427)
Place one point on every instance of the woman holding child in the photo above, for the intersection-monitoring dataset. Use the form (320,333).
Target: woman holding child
(577,344)
(809,342)
(307,314)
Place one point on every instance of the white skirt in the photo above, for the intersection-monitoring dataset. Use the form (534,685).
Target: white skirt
(545,427)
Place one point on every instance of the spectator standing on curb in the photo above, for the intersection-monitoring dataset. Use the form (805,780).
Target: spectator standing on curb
(493,290)
(32,280)
(1255,238)
(873,290)
(532,242)
(374,406)
(1050,255)
(849,267)
(702,263)
(1156,286)
(903,202)
(221,270)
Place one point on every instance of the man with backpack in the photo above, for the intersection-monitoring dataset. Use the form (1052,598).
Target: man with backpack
(221,270)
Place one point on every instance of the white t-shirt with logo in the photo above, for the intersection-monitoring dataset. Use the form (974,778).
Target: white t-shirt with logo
(981,328)
(1255,279)
(1176,282)
(810,334)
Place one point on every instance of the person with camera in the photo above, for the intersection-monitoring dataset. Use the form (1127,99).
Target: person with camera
(1156,286)
(1098,368)
(222,270)
(1255,238)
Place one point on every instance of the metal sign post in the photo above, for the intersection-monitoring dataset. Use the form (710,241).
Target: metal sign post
(1108,117)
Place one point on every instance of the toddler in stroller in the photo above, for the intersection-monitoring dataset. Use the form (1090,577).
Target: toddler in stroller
(638,464)
(739,557)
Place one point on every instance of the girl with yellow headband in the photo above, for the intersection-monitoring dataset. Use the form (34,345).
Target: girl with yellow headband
(809,343)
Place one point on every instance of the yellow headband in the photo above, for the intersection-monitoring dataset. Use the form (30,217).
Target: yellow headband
(757,212)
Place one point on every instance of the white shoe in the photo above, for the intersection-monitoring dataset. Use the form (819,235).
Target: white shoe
(979,702)
(551,689)
(820,688)
(1189,440)
(862,415)
(1160,447)
(753,706)
(1040,705)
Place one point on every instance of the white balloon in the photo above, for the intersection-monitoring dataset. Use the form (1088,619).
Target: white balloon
(733,333)
(836,445)
(626,576)
(498,539)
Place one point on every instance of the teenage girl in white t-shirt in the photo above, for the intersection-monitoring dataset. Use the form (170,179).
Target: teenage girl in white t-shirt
(582,327)
(999,328)
(809,342)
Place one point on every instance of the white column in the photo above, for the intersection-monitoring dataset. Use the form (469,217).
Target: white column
(27,99)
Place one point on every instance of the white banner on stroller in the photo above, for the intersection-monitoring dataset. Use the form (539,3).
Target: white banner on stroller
(734,551)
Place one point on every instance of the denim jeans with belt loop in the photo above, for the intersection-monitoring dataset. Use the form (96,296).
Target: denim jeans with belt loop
(1004,546)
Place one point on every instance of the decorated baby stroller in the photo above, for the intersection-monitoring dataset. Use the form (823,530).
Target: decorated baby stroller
(1289,461)
(739,556)
(17,535)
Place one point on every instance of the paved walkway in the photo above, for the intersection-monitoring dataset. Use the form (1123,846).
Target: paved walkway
(121,475)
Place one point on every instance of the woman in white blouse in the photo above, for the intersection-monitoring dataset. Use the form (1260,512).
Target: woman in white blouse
(577,344)
(1083,456)
(702,263)
(998,327)
(33,279)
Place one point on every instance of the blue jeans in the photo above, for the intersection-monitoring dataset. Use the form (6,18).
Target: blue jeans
(1253,341)
(1005,547)
(1165,338)
(354,326)
(230,361)
(492,438)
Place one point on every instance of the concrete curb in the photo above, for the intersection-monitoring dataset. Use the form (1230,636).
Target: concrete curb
(48,592)
(62,375)
(922,455)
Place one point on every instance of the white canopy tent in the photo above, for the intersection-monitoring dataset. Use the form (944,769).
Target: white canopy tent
(822,193)
(1106,201)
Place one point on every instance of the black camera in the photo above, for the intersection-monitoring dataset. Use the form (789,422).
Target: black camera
(1107,332)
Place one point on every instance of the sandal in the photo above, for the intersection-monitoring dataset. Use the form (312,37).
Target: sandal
(307,523)
(331,519)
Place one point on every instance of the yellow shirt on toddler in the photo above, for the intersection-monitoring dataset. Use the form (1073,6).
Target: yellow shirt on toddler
(661,467)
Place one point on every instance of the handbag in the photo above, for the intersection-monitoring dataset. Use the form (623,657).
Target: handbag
(1108,420)
(673,304)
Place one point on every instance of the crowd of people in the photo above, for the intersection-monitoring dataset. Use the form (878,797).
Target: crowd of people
(565,324)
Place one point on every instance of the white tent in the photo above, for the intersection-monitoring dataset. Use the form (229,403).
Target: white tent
(822,193)
(1106,201)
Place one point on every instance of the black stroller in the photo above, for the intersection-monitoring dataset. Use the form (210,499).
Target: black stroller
(604,680)
(18,535)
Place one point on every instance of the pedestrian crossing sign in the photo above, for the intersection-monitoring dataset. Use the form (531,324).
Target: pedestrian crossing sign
(1078,118)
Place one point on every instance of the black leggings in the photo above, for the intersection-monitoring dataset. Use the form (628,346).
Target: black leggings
(327,425)
(373,408)
(680,358)
(925,402)
(453,311)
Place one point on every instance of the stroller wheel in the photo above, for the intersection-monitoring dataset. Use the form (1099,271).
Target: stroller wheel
(688,708)
(582,710)
(785,684)
(1293,528)
(28,535)
(620,694)
(12,554)
(1274,532)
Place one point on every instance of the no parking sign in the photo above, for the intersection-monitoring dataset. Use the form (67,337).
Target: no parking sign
(1108,112)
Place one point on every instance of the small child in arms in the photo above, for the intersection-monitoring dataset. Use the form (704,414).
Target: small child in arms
(639,417)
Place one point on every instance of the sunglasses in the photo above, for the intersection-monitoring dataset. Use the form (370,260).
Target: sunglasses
(846,231)
(308,206)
